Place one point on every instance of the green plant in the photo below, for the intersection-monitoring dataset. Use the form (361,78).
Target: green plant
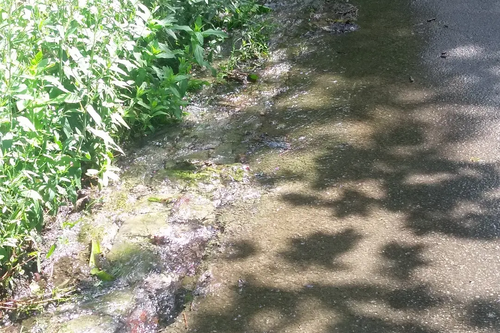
(249,39)
(76,78)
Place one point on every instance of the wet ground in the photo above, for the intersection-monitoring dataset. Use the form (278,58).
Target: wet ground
(381,212)
(356,186)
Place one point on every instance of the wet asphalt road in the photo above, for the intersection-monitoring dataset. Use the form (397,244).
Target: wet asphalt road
(464,36)
(386,218)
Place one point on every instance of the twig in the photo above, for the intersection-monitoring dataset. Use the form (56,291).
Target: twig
(185,320)
(15,304)
(9,271)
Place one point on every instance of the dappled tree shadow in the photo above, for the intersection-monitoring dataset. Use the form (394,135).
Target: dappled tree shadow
(432,191)
(344,300)
(415,298)
(437,195)
(263,308)
(401,260)
(363,324)
(240,250)
(406,157)
(322,249)
(485,314)
(342,297)
(252,301)
(353,203)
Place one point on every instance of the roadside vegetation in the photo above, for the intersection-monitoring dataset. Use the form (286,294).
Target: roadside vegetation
(79,78)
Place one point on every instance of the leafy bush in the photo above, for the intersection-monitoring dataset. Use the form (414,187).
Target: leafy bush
(74,76)
(77,78)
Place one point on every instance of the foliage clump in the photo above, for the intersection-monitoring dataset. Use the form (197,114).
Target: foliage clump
(79,77)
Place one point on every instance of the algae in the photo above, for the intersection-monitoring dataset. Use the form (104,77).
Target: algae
(90,232)
(204,174)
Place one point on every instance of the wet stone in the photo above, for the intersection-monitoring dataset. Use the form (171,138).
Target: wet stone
(90,324)
(116,303)
(191,208)
(132,262)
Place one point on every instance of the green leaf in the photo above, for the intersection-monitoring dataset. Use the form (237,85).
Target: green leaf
(26,124)
(144,105)
(51,251)
(263,9)
(175,92)
(21,105)
(95,250)
(159,72)
(118,70)
(120,84)
(159,113)
(213,32)
(165,55)
(70,98)
(171,33)
(32,194)
(182,28)
(68,131)
(38,57)
(179,78)
(144,12)
(29,174)
(54,81)
(198,24)
(199,37)
(75,54)
(198,54)
(105,137)
(92,172)
(24,97)
(253,77)
(101,274)
(128,64)
(97,118)
(111,175)
(118,120)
